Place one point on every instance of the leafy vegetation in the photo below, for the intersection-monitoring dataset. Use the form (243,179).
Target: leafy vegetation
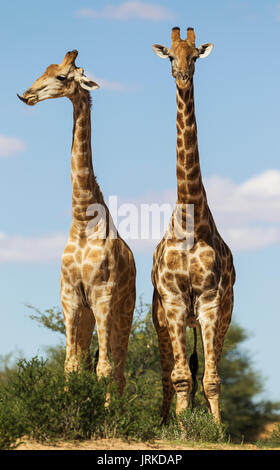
(37,401)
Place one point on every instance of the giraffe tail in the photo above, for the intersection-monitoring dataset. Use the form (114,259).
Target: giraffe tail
(193,363)
(96,357)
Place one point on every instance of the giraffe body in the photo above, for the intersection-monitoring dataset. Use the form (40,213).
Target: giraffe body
(192,287)
(98,269)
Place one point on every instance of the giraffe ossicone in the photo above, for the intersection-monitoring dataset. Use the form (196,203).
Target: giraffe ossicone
(194,286)
(97,272)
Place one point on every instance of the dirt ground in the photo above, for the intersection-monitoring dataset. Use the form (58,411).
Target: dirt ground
(118,444)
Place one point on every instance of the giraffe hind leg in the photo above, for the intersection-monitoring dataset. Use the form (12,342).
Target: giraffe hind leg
(121,328)
(79,324)
(166,356)
(213,334)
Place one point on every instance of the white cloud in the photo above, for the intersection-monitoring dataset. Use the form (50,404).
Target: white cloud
(252,238)
(129,11)
(254,200)
(247,214)
(267,185)
(31,249)
(113,85)
(107,84)
(10,145)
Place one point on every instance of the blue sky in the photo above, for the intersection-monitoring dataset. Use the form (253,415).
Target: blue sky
(134,139)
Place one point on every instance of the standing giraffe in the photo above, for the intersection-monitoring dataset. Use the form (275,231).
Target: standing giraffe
(192,287)
(98,270)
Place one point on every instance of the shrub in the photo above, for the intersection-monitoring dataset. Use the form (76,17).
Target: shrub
(197,426)
(38,402)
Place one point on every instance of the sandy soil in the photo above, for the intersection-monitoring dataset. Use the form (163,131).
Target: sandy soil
(118,444)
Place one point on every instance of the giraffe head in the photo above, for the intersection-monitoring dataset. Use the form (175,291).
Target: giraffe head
(60,80)
(182,55)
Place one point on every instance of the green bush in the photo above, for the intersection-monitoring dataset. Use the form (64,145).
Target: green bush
(195,425)
(11,422)
(38,402)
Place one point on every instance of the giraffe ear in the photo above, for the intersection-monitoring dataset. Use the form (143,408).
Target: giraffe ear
(88,84)
(204,50)
(161,51)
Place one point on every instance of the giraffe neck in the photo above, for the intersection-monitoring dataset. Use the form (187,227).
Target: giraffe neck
(189,182)
(85,189)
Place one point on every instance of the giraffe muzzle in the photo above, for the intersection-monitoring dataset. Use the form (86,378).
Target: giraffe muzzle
(30,100)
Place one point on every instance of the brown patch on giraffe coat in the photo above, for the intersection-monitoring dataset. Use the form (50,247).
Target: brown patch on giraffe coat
(189,138)
(173,260)
(181,94)
(194,173)
(122,264)
(193,189)
(180,120)
(103,273)
(181,159)
(75,274)
(122,280)
(190,158)
(83,181)
(189,107)
(179,142)
(210,281)
(225,280)
(78,257)
(196,271)
(70,248)
(203,231)
(181,187)
(87,272)
(167,277)
(83,241)
(181,105)
(209,296)
(190,119)
(227,305)
(207,258)
(68,260)
(181,173)
(82,134)
(182,282)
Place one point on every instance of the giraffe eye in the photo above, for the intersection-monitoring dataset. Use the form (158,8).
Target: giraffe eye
(61,78)
(171,58)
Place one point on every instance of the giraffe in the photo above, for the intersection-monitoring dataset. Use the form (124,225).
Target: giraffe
(193,286)
(98,269)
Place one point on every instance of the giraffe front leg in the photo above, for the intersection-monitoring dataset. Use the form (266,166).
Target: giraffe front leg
(181,375)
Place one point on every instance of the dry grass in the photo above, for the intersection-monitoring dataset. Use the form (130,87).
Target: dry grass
(118,444)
